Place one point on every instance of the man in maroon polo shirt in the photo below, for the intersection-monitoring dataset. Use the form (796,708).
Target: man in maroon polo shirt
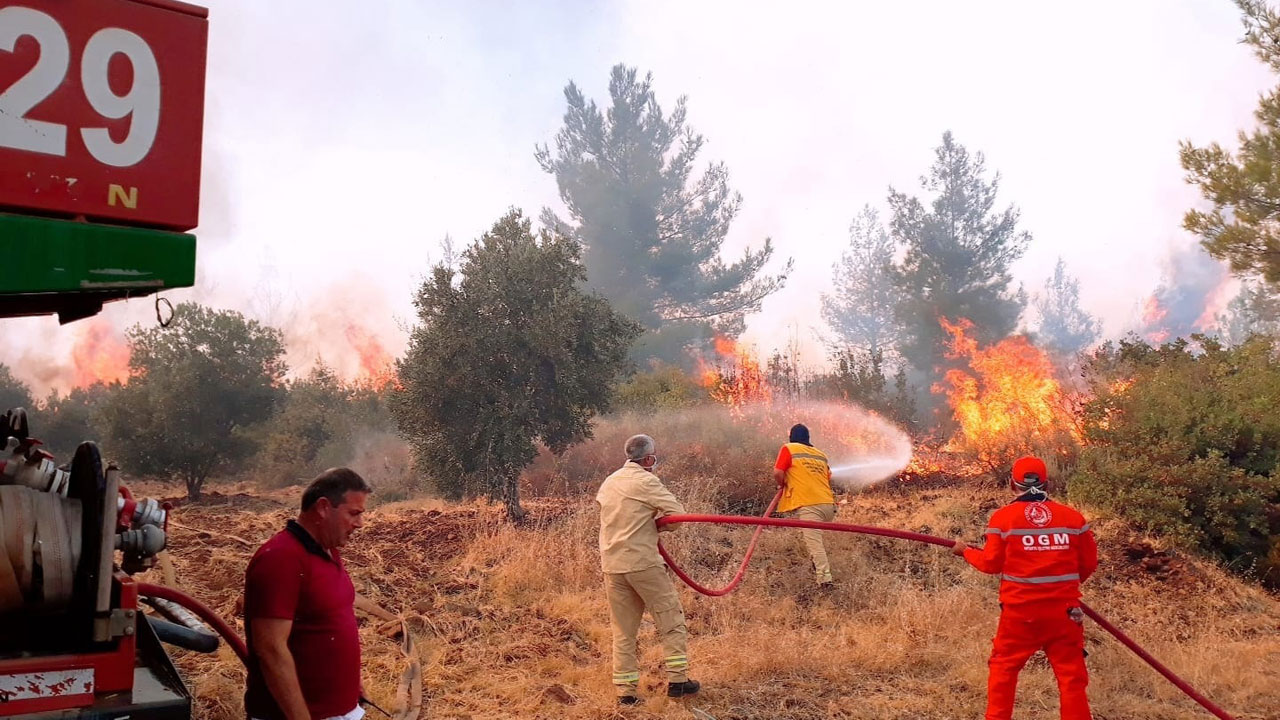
(299,610)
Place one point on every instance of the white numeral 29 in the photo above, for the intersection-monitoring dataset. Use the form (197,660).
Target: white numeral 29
(142,101)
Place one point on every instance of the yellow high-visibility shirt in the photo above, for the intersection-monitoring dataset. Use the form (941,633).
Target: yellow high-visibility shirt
(631,500)
(808,477)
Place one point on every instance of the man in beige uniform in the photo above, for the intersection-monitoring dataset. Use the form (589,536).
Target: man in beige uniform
(635,578)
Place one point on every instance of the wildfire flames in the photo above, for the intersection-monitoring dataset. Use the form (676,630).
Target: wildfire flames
(99,355)
(377,367)
(864,447)
(1007,401)
(737,379)
(1215,303)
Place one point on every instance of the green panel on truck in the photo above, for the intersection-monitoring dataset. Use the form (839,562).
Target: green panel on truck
(59,256)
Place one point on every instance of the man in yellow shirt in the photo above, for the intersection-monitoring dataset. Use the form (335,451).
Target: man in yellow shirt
(804,474)
(635,577)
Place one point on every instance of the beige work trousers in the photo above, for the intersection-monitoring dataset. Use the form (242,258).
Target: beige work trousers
(813,538)
(630,594)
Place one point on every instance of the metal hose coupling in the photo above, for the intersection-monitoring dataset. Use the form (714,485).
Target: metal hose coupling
(145,512)
(38,473)
(146,540)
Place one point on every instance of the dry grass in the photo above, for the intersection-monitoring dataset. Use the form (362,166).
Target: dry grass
(511,623)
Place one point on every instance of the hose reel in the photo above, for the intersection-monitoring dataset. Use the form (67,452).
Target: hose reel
(52,518)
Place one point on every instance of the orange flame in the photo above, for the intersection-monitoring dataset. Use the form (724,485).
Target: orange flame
(1153,316)
(99,355)
(377,367)
(737,378)
(1215,303)
(1007,401)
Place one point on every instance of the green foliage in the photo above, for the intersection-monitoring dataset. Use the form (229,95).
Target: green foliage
(198,387)
(65,421)
(1064,326)
(958,253)
(1255,310)
(859,377)
(1244,187)
(13,392)
(861,305)
(662,387)
(314,411)
(509,352)
(1185,441)
(324,422)
(651,231)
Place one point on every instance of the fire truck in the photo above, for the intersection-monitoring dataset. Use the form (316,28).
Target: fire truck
(101,124)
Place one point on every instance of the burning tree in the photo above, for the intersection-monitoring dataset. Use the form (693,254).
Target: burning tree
(377,367)
(1006,401)
(958,252)
(736,379)
(99,355)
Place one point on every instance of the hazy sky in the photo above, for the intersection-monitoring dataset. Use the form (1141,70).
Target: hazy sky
(344,140)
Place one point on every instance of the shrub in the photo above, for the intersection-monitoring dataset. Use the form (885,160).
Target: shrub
(1184,441)
(665,387)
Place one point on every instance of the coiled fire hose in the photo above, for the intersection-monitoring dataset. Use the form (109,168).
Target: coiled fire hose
(766,521)
(37,529)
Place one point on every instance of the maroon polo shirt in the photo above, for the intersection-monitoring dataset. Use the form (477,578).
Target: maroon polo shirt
(292,577)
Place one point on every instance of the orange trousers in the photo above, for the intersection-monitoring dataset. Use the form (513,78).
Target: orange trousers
(1021,633)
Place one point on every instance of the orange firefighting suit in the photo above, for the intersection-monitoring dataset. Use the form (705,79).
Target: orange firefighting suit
(1042,551)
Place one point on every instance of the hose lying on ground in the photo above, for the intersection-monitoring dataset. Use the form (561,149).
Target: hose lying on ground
(183,636)
(766,521)
(209,616)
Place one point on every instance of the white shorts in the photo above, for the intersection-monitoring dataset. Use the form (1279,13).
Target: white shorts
(355,714)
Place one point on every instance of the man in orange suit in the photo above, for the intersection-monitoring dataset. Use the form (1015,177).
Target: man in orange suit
(1042,551)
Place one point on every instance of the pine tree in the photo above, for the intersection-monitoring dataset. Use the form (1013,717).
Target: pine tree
(1065,327)
(958,252)
(1243,228)
(652,232)
(860,309)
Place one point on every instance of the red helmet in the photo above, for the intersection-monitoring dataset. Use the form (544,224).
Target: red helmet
(1029,472)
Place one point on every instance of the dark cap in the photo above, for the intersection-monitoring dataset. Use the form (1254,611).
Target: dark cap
(799,434)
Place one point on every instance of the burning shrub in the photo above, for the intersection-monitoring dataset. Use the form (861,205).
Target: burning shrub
(1184,440)
(1007,401)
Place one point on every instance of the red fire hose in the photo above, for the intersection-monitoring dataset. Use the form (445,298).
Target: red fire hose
(202,610)
(766,521)
(742,570)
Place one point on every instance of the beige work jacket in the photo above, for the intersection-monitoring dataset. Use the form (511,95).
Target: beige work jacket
(631,499)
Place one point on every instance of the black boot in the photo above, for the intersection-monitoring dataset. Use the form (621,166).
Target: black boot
(630,700)
(688,687)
